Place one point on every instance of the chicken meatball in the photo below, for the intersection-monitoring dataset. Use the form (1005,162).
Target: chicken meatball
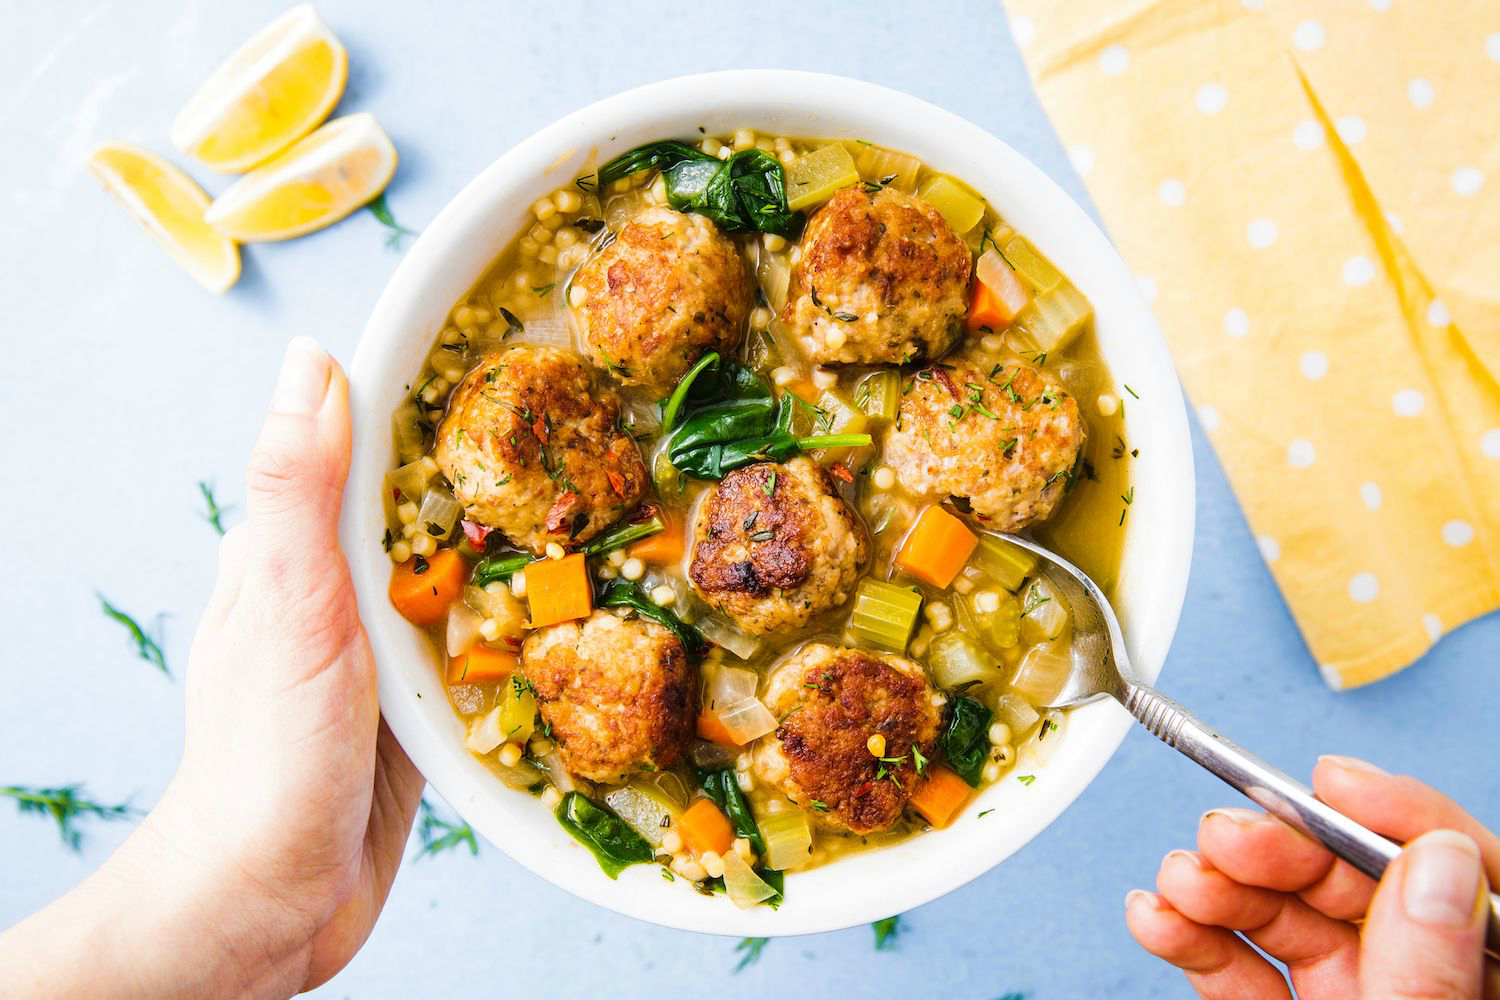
(670,288)
(1001,433)
(831,700)
(619,695)
(775,544)
(533,449)
(881,280)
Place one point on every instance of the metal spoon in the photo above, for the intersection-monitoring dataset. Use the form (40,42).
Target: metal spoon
(1101,668)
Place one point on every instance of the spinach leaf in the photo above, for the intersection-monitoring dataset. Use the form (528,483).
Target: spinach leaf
(620,594)
(726,436)
(651,156)
(723,788)
(744,193)
(611,840)
(966,741)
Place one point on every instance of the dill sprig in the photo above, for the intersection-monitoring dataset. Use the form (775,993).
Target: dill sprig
(752,947)
(438,834)
(66,805)
(886,931)
(382,212)
(215,512)
(146,647)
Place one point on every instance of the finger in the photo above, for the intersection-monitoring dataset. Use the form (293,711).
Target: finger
(1425,933)
(1256,849)
(1219,965)
(1322,954)
(1399,807)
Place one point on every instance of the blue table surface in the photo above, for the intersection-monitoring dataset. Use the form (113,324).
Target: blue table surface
(127,385)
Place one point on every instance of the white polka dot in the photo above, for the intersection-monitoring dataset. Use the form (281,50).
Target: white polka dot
(1331,676)
(1236,322)
(1308,36)
(1351,129)
(1023,30)
(1082,158)
(1408,403)
(1434,626)
(1394,221)
(1437,313)
(1261,233)
(1314,365)
(1492,46)
(1364,588)
(1301,453)
(1254,4)
(1458,533)
(1490,443)
(1370,494)
(1209,417)
(1308,134)
(1420,92)
(1147,285)
(1114,59)
(1171,192)
(1211,98)
(1270,548)
(1467,181)
(1381,5)
(1358,270)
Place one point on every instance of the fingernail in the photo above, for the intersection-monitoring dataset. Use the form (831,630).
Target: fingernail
(1240,817)
(1135,894)
(1440,886)
(1353,764)
(304,378)
(1190,856)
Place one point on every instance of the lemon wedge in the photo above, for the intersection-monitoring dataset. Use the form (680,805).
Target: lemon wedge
(270,93)
(167,202)
(321,179)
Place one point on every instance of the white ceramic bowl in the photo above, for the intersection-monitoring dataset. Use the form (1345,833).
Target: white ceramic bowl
(460,244)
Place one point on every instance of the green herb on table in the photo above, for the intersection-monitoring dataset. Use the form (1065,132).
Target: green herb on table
(745,193)
(439,835)
(382,212)
(146,647)
(752,947)
(66,805)
(886,931)
(608,837)
(214,515)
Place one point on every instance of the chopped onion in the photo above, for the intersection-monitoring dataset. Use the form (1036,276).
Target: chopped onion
(731,685)
(523,776)
(463,629)
(409,431)
(955,659)
(721,633)
(485,733)
(1045,615)
(1000,278)
(714,756)
(410,479)
(1039,749)
(1043,671)
(788,838)
(744,888)
(746,720)
(501,605)
(1016,712)
(439,510)
(775,275)
(547,331)
(557,773)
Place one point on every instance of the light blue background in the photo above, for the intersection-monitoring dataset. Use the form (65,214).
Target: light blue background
(124,385)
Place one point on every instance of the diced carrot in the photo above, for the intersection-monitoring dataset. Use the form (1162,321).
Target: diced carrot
(481,663)
(705,828)
(986,309)
(558,590)
(936,547)
(940,796)
(712,728)
(663,548)
(421,589)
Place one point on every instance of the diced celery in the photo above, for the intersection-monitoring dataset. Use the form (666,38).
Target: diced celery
(1052,320)
(954,201)
(1037,271)
(646,808)
(1044,615)
(956,659)
(1004,623)
(884,614)
(743,887)
(888,168)
(788,838)
(998,628)
(813,178)
(879,395)
(517,707)
(1009,565)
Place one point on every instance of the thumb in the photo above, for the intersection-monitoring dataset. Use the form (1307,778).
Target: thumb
(1424,936)
(294,481)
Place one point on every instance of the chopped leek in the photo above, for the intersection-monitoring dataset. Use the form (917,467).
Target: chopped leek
(1009,565)
(884,614)
(744,888)
(886,168)
(788,838)
(814,177)
(879,395)
(955,659)
(1052,320)
(517,708)
(648,810)
(1035,269)
(1044,615)
(961,207)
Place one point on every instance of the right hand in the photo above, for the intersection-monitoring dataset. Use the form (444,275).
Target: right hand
(1419,933)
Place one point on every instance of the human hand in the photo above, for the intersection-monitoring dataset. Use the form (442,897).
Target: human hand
(265,864)
(1255,879)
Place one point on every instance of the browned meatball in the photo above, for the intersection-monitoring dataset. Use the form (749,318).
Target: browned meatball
(881,280)
(831,700)
(670,288)
(619,695)
(775,544)
(533,449)
(998,431)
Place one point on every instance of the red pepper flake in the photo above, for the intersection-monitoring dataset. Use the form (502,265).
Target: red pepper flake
(560,512)
(841,471)
(477,534)
(539,428)
(616,481)
(943,377)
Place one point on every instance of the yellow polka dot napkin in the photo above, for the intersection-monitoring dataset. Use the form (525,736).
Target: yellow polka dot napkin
(1309,191)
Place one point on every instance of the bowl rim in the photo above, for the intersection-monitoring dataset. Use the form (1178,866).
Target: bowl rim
(869,885)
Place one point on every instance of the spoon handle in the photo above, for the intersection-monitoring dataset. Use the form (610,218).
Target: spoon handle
(1272,789)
